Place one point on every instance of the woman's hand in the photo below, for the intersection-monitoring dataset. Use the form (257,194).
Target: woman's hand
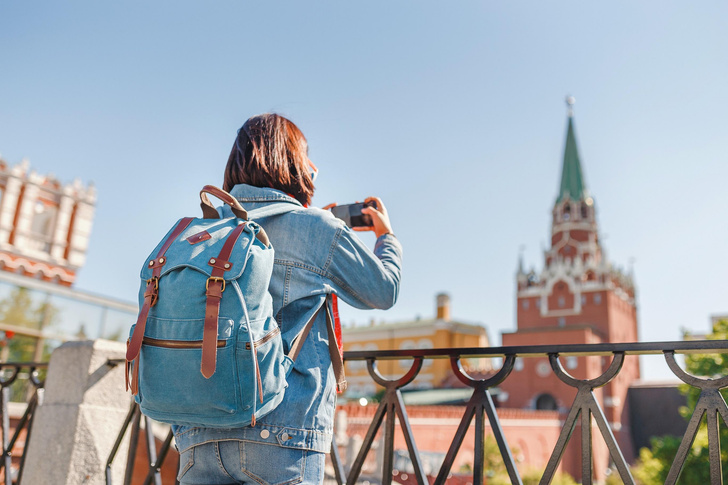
(380,218)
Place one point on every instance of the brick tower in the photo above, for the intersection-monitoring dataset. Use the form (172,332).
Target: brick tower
(578,298)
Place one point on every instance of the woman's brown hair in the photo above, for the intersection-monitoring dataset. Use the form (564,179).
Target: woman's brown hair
(270,151)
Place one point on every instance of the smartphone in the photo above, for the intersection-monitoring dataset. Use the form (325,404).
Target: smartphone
(351,214)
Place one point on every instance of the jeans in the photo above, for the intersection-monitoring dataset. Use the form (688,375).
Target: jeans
(239,462)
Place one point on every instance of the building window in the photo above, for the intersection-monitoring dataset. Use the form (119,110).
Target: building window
(42,224)
(584,211)
(518,364)
(598,298)
(572,362)
(583,299)
(538,302)
(407,345)
(562,302)
(356,365)
(546,402)
(562,322)
(425,343)
(567,212)
(543,368)
(524,304)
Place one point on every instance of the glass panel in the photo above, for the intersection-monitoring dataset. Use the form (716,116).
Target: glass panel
(74,319)
(116,324)
(21,307)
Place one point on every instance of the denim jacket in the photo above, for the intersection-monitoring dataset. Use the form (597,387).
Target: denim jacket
(315,255)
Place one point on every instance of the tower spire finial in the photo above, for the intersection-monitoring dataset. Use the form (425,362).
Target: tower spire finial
(570,100)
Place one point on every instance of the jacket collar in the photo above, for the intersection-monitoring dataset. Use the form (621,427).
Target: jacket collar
(248,193)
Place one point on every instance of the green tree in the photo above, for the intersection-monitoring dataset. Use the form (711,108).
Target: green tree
(654,463)
(19,310)
(495,471)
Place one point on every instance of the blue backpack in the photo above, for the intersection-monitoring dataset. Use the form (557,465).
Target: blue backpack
(206,350)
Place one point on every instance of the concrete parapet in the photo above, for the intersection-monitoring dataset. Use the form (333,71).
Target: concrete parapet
(83,410)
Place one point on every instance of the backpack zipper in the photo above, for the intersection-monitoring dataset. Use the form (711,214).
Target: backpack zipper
(178,344)
(265,338)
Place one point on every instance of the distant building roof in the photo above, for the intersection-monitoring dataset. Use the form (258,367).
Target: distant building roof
(413,327)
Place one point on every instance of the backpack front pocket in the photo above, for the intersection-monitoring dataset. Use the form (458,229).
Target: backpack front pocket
(271,362)
(170,377)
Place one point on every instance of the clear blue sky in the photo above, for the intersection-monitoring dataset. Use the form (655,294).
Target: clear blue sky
(453,113)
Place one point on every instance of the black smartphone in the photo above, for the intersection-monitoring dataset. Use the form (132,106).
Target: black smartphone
(351,214)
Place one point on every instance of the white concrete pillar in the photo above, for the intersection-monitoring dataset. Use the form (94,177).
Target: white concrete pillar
(83,410)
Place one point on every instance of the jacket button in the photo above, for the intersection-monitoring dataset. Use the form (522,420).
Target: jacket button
(285,437)
(264,434)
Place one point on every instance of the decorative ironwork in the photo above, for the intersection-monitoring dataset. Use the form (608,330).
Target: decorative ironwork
(585,407)
(710,403)
(390,406)
(480,402)
(155,461)
(9,373)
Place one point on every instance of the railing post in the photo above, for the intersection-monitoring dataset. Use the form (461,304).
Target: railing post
(391,407)
(586,405)
(7,455)
(480,402)
(711,403)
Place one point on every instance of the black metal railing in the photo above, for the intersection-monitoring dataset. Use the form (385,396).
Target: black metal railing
(133,422)
(584,409)
(22,379)
(585,405)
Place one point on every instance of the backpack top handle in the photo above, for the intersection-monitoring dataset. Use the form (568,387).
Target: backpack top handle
(209,211)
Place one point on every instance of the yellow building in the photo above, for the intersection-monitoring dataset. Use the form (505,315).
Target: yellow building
(440,332)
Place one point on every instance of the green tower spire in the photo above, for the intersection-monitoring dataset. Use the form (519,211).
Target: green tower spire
(572,181)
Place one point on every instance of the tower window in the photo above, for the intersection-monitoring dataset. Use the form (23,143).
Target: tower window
(562,322)
(562,302)
(584,211)
(566,214)
(524,304)
(598,298)
(583,299)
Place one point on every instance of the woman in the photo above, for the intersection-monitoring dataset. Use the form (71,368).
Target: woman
(316,255)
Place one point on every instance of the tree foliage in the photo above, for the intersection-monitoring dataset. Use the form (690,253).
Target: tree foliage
(654,463)
(495,471)
(19,310)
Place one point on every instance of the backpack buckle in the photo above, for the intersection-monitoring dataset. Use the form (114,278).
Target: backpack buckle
(152,291)
(215,278)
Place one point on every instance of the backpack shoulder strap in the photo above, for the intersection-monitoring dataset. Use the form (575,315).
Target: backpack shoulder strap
(336,360)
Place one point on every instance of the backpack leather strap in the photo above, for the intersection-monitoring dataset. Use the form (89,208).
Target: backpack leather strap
(150,299)
(213,290)
(336,361)
(209,211)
